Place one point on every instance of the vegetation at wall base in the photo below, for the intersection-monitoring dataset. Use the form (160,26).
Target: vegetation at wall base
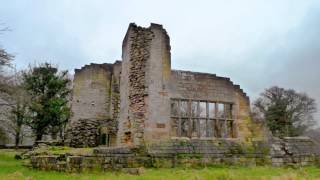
(11,168)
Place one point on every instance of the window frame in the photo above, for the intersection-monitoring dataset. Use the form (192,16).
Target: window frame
(195,117)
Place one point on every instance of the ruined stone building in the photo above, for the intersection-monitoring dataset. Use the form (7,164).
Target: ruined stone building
(141,113)
(140,99)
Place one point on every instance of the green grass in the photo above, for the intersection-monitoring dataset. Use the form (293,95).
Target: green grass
(13,169)
(56,150)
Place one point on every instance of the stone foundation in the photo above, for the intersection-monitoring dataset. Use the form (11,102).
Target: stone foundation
(186,153)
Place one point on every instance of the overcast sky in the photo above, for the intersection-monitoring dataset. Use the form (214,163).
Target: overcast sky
(258,43)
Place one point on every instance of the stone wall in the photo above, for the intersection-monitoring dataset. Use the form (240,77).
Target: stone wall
(91,92)
(139,54)
(290,151)
(210,87)
(115,90)
(157,127)
(186,153)
(135,53)
(86,132)
(146,61)
(95,104)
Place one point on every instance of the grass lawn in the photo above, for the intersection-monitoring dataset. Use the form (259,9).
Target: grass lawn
(13,169)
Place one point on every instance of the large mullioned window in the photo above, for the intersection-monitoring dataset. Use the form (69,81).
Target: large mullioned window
(202,119)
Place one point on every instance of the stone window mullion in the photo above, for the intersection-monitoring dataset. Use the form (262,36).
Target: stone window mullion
(225,131)
(189,134)
(234,123)
(179,118)
(213,121)
(216,123)
(207,119)
(198,119)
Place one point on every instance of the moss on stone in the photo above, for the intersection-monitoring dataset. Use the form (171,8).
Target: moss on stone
(58,150)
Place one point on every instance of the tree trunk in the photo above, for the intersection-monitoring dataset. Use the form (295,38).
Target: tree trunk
(17,140)
(54,135)
(39,137)
(61,134)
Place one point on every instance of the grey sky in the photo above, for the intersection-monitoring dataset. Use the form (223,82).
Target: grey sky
(257,43)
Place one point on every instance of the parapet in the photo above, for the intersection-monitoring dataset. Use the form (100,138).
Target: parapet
(236,87)
(106,66)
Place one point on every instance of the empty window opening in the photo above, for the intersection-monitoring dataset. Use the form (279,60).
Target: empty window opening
(190,118)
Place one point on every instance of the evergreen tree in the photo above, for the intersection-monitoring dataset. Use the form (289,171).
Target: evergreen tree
(49,92)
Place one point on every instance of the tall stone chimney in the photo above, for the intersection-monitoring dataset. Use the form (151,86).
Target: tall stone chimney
(146,69)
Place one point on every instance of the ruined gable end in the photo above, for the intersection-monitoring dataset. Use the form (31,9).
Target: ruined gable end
(94,104)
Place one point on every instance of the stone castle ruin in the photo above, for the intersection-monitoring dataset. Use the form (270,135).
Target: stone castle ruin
(141,99)
(140,112)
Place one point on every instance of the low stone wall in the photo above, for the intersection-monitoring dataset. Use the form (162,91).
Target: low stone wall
(206,153)
(292,151)
(186,153)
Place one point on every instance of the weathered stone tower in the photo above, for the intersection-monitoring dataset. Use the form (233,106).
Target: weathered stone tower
(144,85)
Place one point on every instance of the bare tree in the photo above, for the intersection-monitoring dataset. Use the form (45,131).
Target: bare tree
(5,85)
(5,61)
(16,113)
(285,111)
(5,57)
